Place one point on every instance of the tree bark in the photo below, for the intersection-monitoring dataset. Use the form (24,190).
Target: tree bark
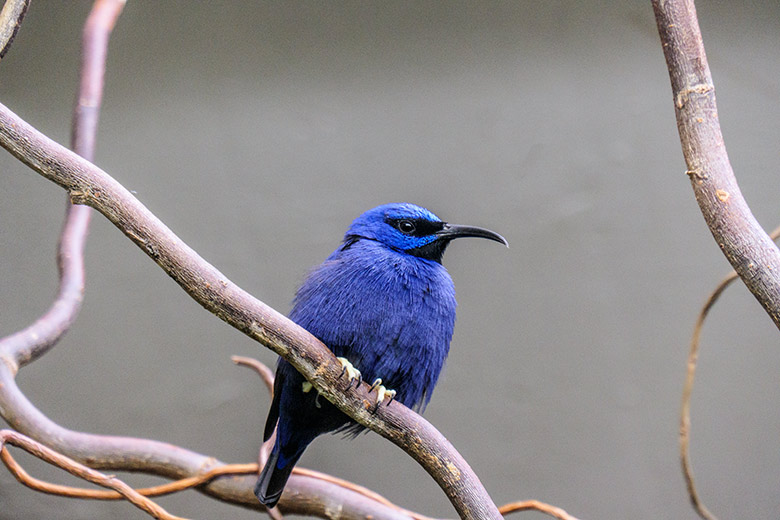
(744,243)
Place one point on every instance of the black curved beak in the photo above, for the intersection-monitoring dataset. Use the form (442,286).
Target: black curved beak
(452,231)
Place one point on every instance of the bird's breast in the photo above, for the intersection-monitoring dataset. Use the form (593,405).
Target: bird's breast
(391,316)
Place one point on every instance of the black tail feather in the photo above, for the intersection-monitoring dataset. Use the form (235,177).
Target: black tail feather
(272,480)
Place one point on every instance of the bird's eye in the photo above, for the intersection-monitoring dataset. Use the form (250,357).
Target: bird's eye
(406,226)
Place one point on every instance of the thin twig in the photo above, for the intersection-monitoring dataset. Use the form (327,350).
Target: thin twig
(79,470)
(372,495)
(304,495)
(535,505)
(685,409)
(268,378)
(685,412)
(97,494)
(35,340)
(265,373)
(94,49)
(180,485)
(264,452)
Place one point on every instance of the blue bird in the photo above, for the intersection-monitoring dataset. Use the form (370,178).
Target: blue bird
(385,305)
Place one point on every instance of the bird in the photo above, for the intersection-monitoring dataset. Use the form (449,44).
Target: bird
(384,304)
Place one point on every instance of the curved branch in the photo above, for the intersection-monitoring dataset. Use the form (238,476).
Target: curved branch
(10,20)
(94,48)
(86,183)
(32,342)
(535,505)
(313,492)
(89,185)
(81,471)
(306,496)
(685,409)
(265,373)
(744,243)
(21,348)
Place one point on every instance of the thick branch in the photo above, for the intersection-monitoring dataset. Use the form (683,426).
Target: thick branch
(10,20)
(117,453)
(746,245)
(89,185)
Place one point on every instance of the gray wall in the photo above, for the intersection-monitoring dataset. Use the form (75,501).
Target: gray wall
(258,131)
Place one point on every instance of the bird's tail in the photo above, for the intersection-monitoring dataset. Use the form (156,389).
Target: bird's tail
(274,476)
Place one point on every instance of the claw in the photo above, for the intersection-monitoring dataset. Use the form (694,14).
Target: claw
(352,372)
(381,392)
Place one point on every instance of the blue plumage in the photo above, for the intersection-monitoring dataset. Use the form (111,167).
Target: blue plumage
(383,301)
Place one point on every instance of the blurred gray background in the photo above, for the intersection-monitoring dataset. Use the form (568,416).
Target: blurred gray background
(258,131)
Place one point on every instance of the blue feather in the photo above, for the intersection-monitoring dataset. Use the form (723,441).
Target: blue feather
(384,301)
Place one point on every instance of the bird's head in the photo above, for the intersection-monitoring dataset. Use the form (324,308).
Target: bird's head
(412,230)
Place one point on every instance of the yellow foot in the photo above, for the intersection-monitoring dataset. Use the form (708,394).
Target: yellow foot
(353,374)
(381,391)
(307,387)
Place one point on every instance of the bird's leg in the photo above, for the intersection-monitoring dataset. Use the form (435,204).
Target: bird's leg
(381,392)
(306,387)
(352,372)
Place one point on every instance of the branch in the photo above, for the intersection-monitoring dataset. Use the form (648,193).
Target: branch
(685,410)
(10,20)
(744,243)
(94,47)
(21,348)
(340,495)
(314,493)
(535,505)
(32,342)
(310,492)
(87,184)
(79,470)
